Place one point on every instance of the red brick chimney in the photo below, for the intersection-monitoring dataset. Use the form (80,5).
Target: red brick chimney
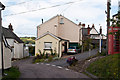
(79,24)
(100,29)
(93,26)
(10,27)
(83,25)
(88,30)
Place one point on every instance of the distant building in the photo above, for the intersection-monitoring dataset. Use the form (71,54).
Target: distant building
(91,33)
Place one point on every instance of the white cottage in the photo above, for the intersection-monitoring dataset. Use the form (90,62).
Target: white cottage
(6,49)
(6,54)
(92,33)
(15,42)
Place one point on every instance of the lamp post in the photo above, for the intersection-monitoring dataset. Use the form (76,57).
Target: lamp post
(2,7)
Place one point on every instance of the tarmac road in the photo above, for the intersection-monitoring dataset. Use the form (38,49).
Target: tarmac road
(80,56)
(55,69)
(44,70)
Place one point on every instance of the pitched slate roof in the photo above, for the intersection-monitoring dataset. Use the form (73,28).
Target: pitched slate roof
(9,34)
(85,31)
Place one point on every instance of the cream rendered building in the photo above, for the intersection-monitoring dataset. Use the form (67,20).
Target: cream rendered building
(60,27)
(49,42)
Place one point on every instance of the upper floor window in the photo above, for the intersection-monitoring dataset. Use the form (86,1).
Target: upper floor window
(61,21)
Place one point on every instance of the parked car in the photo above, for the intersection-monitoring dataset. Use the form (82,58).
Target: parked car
(73,49)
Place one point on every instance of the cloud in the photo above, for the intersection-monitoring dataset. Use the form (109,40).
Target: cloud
(86,11)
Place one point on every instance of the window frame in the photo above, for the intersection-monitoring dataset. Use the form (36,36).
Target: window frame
(50,46)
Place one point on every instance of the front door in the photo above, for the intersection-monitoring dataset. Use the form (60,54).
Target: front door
(65,47)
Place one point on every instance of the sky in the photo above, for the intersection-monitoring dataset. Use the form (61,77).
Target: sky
(84,11)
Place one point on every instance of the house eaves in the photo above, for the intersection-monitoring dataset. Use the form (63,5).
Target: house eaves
(48,20)
(11,35)
(95,30)
(69,20)
(48,33)
(55,17)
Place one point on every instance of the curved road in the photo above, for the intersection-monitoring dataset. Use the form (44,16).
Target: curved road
(80,56)
(51,70)
(42,70)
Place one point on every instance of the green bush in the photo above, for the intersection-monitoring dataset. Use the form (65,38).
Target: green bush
(38,60)
(32,50)
(106,67)
(12,74)
(50,58)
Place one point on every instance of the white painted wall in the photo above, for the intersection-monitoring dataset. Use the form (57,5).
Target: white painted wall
(0,58)
(97,37)
(6,57)
(93,31)
(11,43)
(26,51)
(68,30)
(18,50)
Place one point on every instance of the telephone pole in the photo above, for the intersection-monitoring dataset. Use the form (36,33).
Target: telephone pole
(108,21)
(2,7)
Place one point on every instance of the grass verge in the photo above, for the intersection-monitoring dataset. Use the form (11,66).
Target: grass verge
(12,74)
(106,67)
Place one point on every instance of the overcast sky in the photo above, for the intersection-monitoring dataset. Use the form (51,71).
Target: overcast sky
(85,11)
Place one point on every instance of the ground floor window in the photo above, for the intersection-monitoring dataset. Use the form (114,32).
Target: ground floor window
(48,45)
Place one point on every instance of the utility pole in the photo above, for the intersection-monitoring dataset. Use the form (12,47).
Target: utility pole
(2,7)
(100,42)
(108,21)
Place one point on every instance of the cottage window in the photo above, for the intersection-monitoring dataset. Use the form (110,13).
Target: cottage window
(48,45)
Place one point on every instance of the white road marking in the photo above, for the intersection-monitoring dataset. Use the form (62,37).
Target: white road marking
(47,64)
(67,69)
(53,65)
(37,63)
(59,67)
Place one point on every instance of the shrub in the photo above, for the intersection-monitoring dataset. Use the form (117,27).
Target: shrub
(46,55)
(50,58)
(38,60)
(12,74)
(32,50)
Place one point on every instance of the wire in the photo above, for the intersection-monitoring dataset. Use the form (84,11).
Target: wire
(66,9)
(42,8)
(19,3)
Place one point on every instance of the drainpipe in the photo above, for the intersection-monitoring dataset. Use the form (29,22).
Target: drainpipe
(59,49)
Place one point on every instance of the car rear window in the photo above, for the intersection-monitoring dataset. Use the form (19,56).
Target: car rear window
(71,48)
